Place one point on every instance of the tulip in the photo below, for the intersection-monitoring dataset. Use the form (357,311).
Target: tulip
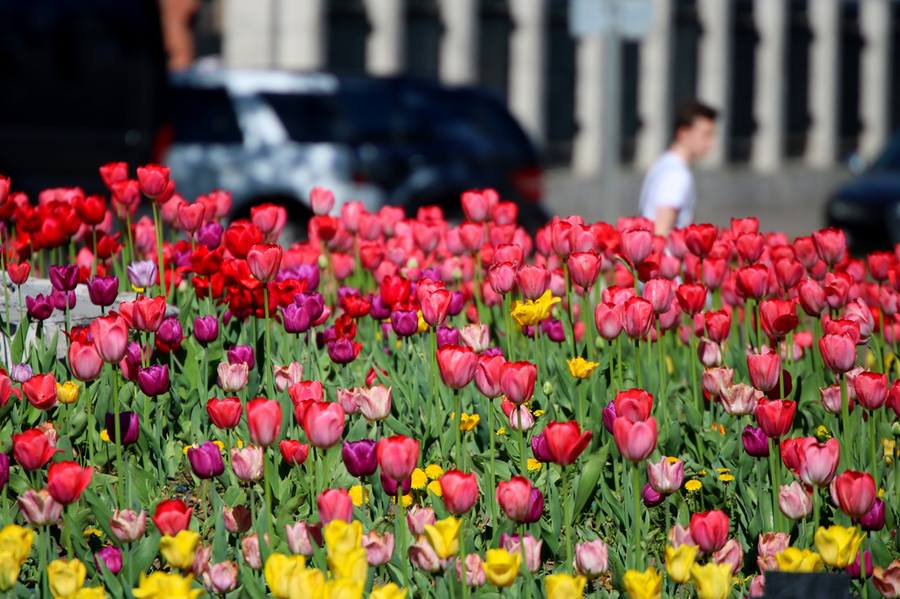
(637,318)
(65,577)
(443,536)
(732,554)
(417,518)
(513,544)
(142,274)
(343,351)
(127,525)
(764,369)
(709,530)
(831,244)
(247,463)
(874,518)
(487,375)
(67,480)
(838,546)
(854,492)
(179,549)
(232,377)
(206,460)
(457,365)
(838,352)
(635,440)
(712,581)
(818,461)
(379,547)
(206,329)
(103,290)
(650,497)
(517,381)
(565,441)
(794,502)
(501,567)
(643,585)
(887,580)
(324,424)
(459,491)
(110,336)
(770,544)
(237,519)
(341,537)
(797,560)
(264,261)
(334,504)
(221,578)
(359,457)
(391,487)
(679,561)
(224,413)
(85,361)
(514,497)
(38,307)
(608,320)
(666,475)
(250,550)
(153,380)
(740,399)
(110,557)
(775,417)
(40,391)
(172,516)
(129,427)
(591,558)
(21,373)
(871,389)
(32,449)
(862,560)
(264,421)
(375,403)
(422,556)
(397,456)
(298,538)
(39,507)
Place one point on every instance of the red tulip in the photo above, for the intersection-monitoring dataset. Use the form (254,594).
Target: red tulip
(818,461)
(264,260)
(397,456)
(533,280)
(638,317)
(85,361)
(323,423)
(224,413)
(608,320)
(709,530)
(583,268)
(718,325)
(514,497)
(764,370)
(775,417)
(476,206)
(67,480)
(18,273)
(691,297)
(334,504)
(394,290)
(879,264)
(854,492)
(660,293)
(750,246)
(40,391)
(172,516)
(778,317)
(487,374)
(264,420)
(635,440)
(457,365)
(307,390)
(831,245)
(636,243)
(753,281)
(32,449)
(894,397)
(435,306)
(633,404)
(838,352)
(149,313)
(459,491)
(293,452)
(565,441)
(811,296)
(871,389)
(110,336)
(700,238)
(153,179)
(517,381)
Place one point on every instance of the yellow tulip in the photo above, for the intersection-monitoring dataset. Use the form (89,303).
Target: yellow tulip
(341,537)
(91,593)
(643,585)
(279,572)
(837,545)
(501,567)
(443,536)
(65,577)
(388,591)
(580,368)
(359,495)
(67,392)
(793,559)
(544,304)
(344,588)
(564,586)
(161,585)
(351,565)
(9,570)
(17,540)
(308,584)
(178,551)
(679,561)
(712,581)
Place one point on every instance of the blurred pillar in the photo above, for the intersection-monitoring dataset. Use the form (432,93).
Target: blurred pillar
(655,86)
(875,22)
(302,28)
(384,48)
(769,88)
(247,34)
(597,105)
(824,82)
(527,77)
(715,76)
(459,44)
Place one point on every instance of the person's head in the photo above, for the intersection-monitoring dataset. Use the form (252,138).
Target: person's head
(695,129)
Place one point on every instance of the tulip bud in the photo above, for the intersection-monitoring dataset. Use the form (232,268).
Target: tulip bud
(127,525)
(591,558)
(794,501)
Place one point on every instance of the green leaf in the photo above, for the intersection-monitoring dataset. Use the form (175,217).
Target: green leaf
(590,474)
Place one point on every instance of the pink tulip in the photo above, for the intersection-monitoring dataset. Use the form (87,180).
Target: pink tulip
(334,504)
(665,476)
(379,547)
(457,365)
(418,517)
(732,554)
(818,461)
(764,368)
(591,558)
(487,375)
(298,538)
(769,545)
(264,421)
(794,501)
(635,440)
(324,423)
(608,320)
(871,389)
(517,381)
(247,463)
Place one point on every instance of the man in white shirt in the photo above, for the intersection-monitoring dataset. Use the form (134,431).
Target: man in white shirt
(668,197)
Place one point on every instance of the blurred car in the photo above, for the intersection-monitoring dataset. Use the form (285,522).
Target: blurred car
(272,136)
(82,85)
(868,207)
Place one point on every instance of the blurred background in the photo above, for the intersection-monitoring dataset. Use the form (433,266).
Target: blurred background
(560,104)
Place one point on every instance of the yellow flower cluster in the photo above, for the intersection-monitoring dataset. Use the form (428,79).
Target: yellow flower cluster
(468,422)
(533,311)
(15,545)
(428,479)
(580,368)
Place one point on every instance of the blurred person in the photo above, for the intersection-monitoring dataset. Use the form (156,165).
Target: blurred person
(668,197)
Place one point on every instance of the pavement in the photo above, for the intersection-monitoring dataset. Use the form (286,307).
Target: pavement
(791,200)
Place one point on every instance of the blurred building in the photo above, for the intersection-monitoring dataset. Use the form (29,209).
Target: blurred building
(799,81)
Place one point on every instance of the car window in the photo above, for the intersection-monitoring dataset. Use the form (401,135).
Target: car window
(204,115)
(307,118)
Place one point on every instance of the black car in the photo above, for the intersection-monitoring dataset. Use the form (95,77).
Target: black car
(868,207)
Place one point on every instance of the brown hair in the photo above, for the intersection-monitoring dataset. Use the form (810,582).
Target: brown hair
(690,112)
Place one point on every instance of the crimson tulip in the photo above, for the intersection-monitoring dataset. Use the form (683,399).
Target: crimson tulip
(633,404)
(67,480)
(110,336)
(149,313)
(264,420)
(764,369)
(459,491)
(517,381)
(264,260)
(224,413)
(637,317)
(691,297)
(487,374)
(323,423)
(33,448)
(457,365)
(854,492)
(172,516)
(709,530)
(838,352)
(831,244)
(775,417)
(40,391)
(565,441)
(398,456)
(871,389)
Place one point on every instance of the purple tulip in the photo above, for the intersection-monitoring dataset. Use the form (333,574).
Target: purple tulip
(170,333)
(206,329)
(457,302)
(874,518)
(553,329)
(21,373)
(536,506)
(132,360)
(103,290)
(295,318)
(609,416)
(341,351)
(539,448)
(755,441)
(64,278)
(379,311)
(304,272)
(4,470)
(153,380)
(650,496)
(38,307)
(210,235)
(63,299)
(447,336)
(129,427)
(206,460)
(854,569)
(142,274)
(241,354)
(390,485)
(493,351)
(405,322)
(111,557)
(359,457)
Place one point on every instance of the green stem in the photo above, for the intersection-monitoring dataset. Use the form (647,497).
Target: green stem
(457,410)
(523,461)
(492,481)
(117,425)
(873,453)
(568,279)
(845,423)
(637,364)
(775,482)
(159,250)
(526,573)
(462,557)
(268,362)
(636,525)
(401,536)
(567,514)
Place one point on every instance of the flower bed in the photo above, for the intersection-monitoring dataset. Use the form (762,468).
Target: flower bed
(401,407)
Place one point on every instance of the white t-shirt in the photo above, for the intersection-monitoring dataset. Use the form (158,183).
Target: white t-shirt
(669,182)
